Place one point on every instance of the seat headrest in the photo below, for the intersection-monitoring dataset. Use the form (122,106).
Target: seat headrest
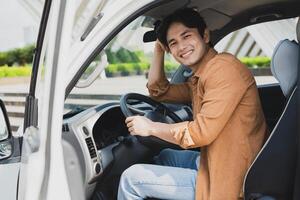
(284,65)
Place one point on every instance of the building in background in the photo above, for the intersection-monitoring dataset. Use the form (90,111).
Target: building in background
(259,39)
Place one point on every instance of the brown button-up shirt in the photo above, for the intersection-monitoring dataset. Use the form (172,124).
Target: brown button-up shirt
(228,122)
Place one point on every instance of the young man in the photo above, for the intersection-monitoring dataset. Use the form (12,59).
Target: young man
(228,124)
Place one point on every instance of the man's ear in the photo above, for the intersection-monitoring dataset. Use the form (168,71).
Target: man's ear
(206,36)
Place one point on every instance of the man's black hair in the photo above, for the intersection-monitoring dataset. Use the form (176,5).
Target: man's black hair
(187,16)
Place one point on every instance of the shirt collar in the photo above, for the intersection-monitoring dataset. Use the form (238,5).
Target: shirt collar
(207,57)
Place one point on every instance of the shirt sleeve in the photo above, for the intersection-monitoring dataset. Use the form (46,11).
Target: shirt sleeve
(164,91)
(224,89)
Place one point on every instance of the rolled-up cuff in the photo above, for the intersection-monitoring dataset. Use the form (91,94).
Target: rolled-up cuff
(182,136)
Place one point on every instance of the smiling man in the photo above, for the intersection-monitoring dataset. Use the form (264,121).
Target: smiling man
(228,123)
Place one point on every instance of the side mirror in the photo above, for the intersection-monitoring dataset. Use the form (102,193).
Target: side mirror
(5,133)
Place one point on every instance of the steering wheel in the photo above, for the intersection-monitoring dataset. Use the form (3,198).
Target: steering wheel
(158,113)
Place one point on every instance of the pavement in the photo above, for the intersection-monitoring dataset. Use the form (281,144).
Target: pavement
(116,85)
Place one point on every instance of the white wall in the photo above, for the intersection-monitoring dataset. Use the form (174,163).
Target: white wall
(17,26)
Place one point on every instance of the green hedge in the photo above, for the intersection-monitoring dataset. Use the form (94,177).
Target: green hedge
(22,56)
(122,56)
(250,62)
(126,68)
(14,71)
(113,69)
(256,62)
(170,66)
(18,56)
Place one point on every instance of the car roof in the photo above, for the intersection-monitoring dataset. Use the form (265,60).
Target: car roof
(225,16)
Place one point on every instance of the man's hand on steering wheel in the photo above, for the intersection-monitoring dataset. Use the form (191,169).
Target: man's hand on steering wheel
(141,122)
(139,125)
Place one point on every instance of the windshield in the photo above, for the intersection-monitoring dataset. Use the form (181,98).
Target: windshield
(128,60)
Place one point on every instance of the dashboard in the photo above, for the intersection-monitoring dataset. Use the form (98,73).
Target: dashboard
(110,128)
(94,135)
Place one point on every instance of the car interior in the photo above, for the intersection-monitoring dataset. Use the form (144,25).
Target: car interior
(104,148)
(265,175)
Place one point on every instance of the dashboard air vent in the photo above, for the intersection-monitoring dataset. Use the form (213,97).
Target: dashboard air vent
(65,128)
(91,147)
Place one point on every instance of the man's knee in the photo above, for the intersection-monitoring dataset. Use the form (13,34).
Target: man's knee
(127,182)
(130,174)
(133,179)
(129,177)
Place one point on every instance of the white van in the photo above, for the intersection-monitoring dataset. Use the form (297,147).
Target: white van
(82,153)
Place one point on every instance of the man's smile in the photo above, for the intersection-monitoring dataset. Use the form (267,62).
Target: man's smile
(186,54)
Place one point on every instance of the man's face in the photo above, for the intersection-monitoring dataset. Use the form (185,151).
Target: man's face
(186,45)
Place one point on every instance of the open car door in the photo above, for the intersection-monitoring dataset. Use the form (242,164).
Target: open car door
(60,58)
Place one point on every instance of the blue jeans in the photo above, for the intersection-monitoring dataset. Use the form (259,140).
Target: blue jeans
(173,178)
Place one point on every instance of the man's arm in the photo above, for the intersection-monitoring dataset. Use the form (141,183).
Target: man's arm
(140,125)
(156,71)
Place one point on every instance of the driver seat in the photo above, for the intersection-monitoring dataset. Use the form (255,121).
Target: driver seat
(272,174)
